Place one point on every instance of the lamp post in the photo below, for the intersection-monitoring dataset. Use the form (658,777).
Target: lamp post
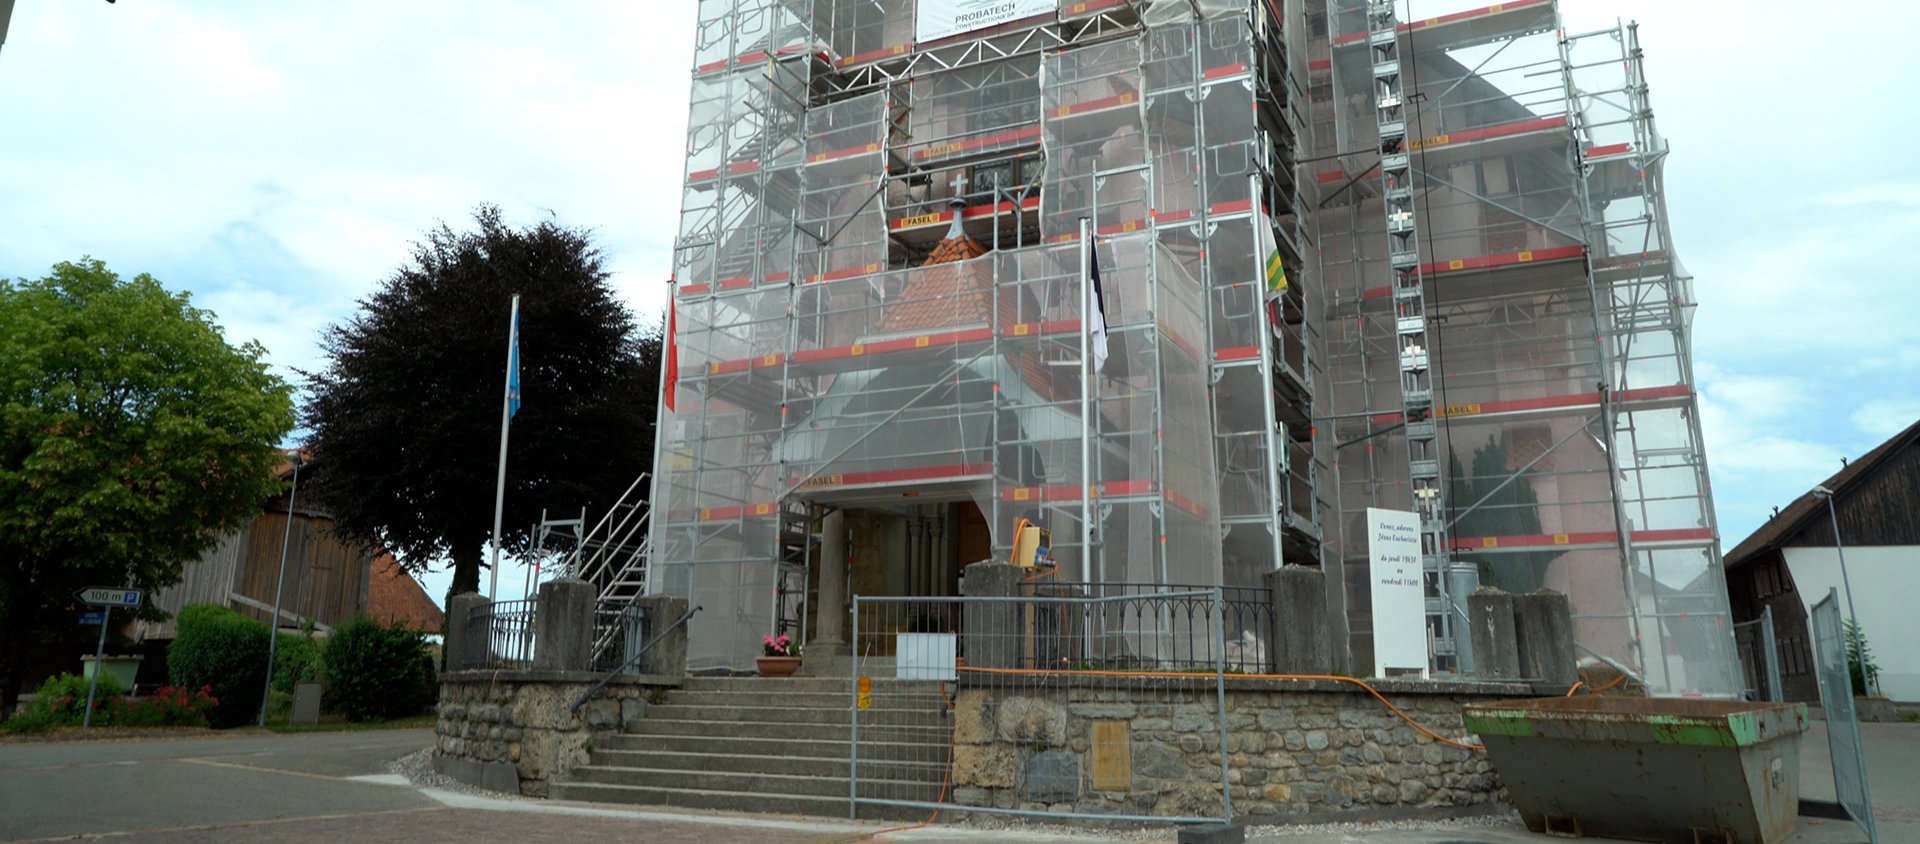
(1834,519)
(273,624)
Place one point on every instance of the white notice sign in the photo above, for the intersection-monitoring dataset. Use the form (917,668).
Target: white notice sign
(936,19)
(1399,591)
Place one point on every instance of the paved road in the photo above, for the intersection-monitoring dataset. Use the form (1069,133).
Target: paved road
(331,787)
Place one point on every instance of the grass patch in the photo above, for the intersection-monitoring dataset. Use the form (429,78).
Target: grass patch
(336,722)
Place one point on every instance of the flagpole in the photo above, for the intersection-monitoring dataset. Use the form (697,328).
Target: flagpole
(1086,402)
(506,420)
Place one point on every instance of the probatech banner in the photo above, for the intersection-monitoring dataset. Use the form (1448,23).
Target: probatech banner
(936,19)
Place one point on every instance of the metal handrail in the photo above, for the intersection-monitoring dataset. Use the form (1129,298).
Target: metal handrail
(631,660)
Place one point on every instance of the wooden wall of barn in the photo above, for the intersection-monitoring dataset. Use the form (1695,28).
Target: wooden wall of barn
(1881,508)
(326,578)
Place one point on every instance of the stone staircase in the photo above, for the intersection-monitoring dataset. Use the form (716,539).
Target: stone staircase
(773,745)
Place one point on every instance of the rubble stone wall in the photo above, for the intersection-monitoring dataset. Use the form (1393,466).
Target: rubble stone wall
(1292,748)
(514,731)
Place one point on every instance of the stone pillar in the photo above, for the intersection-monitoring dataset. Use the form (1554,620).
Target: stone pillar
(993,628)
(453,650)
(1543,627)
(563,632)
(1496,654)
(669,657)
(1299,641)
(830,616)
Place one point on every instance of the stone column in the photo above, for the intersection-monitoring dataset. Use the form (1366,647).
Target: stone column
(1496,653)
(1543,626)
(1299,641)
(563,637)
(830,614)
(453,629)
(668,657)
(994,630)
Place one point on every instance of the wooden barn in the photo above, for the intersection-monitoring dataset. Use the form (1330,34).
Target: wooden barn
(1792,561)
(327,579)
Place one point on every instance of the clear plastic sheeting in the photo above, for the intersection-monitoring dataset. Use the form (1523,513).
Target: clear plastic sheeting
(1566,464)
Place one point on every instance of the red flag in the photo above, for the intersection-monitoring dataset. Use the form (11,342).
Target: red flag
(671,382)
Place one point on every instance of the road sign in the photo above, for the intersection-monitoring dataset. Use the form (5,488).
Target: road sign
(109,596)
(93,617)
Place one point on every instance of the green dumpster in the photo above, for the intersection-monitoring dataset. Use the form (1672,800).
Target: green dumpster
(1653,769)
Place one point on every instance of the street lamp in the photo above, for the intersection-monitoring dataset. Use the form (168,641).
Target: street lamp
(273,624)
(1834,520)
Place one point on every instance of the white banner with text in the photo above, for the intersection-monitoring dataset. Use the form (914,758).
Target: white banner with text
(937,19)
(1399,591)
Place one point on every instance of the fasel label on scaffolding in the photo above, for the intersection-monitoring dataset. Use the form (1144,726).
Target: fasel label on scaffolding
(937,19)
(1399,591)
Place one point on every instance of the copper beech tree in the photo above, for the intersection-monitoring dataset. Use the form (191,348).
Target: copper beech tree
(405,415)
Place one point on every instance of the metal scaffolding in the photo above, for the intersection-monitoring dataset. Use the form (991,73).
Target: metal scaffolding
(1491,207)
(1461,206)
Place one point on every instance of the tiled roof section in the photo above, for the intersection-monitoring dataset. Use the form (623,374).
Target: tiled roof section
(395,595)
(1808,505)
(944,296)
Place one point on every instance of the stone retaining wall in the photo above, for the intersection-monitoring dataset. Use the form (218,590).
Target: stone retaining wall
(514,731)
(1294,748)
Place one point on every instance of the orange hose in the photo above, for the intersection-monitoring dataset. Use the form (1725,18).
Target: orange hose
(1371,690)
(1616,681)
(1576,687)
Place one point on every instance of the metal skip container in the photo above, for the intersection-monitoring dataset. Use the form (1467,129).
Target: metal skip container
(1653,769)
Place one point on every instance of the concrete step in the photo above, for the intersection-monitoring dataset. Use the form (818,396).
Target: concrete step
(771,731)
(921,763)
(796,714)
(740,745)
(789,685)
(842,699)
(755,783)
(729,800)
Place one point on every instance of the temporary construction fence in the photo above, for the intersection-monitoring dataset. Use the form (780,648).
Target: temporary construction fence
(1843,723)
(1012,671)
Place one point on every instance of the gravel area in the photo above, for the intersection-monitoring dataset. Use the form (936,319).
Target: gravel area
(417,767)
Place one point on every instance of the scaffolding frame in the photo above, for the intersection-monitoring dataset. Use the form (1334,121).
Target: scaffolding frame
(1491,205)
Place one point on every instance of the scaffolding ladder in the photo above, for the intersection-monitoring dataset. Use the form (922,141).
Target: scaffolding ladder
(1410,323)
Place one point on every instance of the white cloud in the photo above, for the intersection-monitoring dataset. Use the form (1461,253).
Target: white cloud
(1886,417)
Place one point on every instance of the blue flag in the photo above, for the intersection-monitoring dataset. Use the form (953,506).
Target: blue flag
(513,370)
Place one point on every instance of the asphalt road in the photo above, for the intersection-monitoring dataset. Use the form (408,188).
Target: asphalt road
(334,787)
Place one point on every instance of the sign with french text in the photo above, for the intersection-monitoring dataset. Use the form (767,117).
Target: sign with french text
(1399,591)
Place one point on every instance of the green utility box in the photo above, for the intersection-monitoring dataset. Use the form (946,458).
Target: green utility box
(1652,769)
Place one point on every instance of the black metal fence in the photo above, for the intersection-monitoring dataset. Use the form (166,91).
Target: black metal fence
(620,628)
(500,635)
(1184,624)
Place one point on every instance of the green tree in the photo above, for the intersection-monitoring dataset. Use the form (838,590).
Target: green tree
(131,436)
(1512,510)
(406,414)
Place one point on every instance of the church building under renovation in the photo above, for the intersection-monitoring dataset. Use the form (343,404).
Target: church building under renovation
(1190,285)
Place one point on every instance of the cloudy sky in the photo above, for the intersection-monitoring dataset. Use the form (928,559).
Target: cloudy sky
(276,159)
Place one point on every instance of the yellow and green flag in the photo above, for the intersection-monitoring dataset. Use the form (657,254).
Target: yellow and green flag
(1276,275)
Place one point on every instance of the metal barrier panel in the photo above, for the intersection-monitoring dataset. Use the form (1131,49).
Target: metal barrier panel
(1843,727)
(1039,704)
(500,635)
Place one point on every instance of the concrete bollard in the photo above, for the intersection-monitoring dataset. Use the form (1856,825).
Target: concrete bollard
(563,626)
(996,621)
(1543,629)
(453,651)
(1300,644)
(669,658)
(1496,651)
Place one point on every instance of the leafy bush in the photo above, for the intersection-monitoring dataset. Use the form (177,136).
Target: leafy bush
(1864,672)
(226,653)
(295,660)
(377,671)
(64,698)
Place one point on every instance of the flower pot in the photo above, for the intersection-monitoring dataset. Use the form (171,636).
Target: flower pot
(777,666)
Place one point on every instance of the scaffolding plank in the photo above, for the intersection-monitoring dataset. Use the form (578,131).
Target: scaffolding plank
(1606,539)
(1569,402)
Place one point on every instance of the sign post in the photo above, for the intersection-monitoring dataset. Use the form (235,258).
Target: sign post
(107,597)
(1399,591)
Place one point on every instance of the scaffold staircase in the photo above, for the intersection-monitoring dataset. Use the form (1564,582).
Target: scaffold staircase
(1410,320)
(613,555)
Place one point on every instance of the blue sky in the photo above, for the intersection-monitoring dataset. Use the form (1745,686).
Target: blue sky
(277,159)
